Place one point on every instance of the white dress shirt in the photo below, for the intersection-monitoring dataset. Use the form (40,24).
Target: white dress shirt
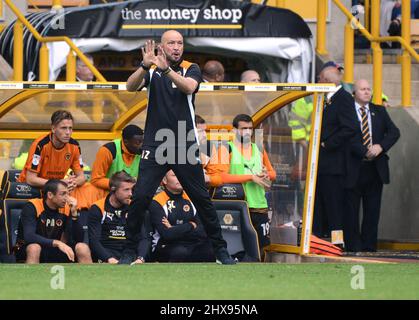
(331,94)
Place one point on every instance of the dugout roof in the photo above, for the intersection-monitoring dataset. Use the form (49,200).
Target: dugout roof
(101,110)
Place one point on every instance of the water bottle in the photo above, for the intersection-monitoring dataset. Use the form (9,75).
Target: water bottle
(299,230)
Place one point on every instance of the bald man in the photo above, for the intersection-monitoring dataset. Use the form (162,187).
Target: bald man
(336,130)
(170,131)
(83,73)
(367,168)
(250,76)
(213,71)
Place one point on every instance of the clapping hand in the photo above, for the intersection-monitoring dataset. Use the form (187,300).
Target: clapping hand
(150,57)
(148,53)
(160,60)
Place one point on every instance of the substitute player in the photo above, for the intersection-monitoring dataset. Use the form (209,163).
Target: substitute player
(52,155)
(107,223)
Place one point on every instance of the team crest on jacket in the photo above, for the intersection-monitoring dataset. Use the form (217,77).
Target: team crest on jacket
(186,208)
(59,222)
(67,156)
(35,160)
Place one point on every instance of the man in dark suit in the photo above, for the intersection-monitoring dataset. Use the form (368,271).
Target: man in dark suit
(367,168)
(331,168)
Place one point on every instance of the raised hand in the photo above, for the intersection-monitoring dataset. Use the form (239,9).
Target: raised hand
(148,53)
(160,60)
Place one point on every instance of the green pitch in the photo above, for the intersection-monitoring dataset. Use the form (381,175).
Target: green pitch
(211,281)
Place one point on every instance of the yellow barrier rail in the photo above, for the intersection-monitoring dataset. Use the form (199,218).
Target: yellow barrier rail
(375,39)
(43,59)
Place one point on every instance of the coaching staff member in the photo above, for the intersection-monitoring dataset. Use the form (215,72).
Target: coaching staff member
(47,226)
(172,83)
(179,235)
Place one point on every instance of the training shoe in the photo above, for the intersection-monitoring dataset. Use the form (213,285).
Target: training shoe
(223,257)
(127,257)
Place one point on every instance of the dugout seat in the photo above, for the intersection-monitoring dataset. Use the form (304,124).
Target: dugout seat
(2,177)
(13,175)
(229,191)
(6,176)
(237,229)
(15,196)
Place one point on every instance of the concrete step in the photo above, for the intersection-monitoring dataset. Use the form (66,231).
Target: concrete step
(397,102)
(389,56)
(393,88)
(414,112)
(390,71)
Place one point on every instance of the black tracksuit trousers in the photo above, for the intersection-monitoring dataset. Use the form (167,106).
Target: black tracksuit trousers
(190,176)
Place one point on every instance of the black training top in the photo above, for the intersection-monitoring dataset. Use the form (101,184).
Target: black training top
(170,108)
(41,224)
(179,211)
(107,228)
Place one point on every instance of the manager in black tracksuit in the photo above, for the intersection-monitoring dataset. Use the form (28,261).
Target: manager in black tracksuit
(367,169)
(331,168)
(170,131)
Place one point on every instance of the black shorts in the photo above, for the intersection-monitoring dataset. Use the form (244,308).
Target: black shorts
(48,255)
(261,223)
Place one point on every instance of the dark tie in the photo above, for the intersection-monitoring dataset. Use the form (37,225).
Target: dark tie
(366,137)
